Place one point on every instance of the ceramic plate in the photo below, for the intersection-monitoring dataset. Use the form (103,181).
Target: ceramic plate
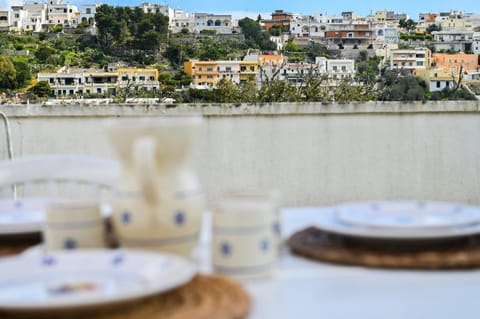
(329,220)
(26,215)
(81,278)
(408,215)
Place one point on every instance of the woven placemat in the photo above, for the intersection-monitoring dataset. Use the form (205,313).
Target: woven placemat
(317,244)
(204,297)
(15,244)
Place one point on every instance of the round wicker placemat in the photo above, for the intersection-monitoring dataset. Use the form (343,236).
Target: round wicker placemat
(317,244)
(204,297)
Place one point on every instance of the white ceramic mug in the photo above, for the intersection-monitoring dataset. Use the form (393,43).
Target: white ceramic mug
(71,224)
(244,243)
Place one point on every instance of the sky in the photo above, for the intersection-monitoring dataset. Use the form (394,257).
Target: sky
(254,7)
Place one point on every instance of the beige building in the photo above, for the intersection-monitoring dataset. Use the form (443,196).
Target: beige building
(408,60)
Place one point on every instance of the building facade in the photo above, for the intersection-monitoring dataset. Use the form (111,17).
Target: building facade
(81,82)
(408,60)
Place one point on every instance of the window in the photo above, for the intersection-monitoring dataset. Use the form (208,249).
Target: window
(64,10)
(99,90)
(124,78)
(88,11)
(142,78)
(447,84)
(228,69)
(209,76)
(243,68)
(252,68)
(438,84)
(210,69)
(344,68)
(334,68)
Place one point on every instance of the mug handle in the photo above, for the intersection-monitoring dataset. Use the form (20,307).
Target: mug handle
(144,155)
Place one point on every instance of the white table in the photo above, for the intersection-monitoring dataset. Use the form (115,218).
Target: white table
(306,289)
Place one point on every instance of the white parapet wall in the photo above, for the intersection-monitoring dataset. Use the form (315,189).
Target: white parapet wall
(314,154)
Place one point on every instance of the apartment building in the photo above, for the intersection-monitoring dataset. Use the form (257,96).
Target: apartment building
(308,26)
(453,40)
(350,34)
(336,69)
(36,16)
(79,82)
(295,73)
(17,16)
(249,71)
(229,70)
(453,21)
(408,60)
(62,13)
(453,62)
(203,73)
(220,23)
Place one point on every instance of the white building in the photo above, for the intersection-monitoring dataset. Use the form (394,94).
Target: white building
(86,16)
(181,19)
(476,43)
(69,82)
(221,23)
(62,13)
(337,69)
(4,21)
(308,26)
(17,16)
(385,34)
(453,40)
(36,16)
(229,70)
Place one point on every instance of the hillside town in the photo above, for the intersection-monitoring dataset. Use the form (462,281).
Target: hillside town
(435,56)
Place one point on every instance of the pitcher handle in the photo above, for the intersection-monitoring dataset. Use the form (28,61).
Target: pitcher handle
(145,149)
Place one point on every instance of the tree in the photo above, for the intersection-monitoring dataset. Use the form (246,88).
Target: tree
(408,25)
(42,89)
(23,74)
(44,53)
(227,92)
(7,74)
(433,27)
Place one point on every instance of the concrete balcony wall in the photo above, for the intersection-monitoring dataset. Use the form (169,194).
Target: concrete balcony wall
(315,154)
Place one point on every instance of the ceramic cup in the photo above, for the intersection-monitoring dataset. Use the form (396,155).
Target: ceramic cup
(244,243)
(73,224)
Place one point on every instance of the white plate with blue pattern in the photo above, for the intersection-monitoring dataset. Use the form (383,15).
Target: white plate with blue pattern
(79,278)
(402,219)
(25,216)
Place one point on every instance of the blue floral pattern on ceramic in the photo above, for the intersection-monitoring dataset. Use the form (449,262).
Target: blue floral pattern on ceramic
(264,245)
(225,249)
(179,217)
(117,260)
(18,204)
(276,228)
(421,205)
(69,243)
(126,217)
(48,261)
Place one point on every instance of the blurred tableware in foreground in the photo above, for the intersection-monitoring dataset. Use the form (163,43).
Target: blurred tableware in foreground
(72,224)
(244,235)
(159,202)
(401,220)
(79,278)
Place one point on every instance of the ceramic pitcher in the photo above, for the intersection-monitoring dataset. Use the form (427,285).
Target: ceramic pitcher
(159,202)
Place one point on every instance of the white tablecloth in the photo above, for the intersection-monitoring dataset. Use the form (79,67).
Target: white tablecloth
(306,289)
